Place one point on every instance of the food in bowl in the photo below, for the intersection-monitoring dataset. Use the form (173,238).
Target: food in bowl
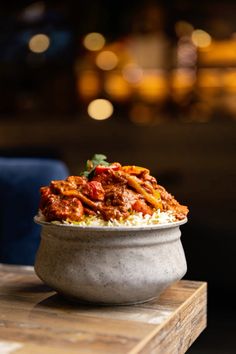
(110,236)
(109,194)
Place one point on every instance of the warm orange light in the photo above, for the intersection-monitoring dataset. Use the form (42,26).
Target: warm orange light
(94,41)
(209,79)
(100,109)
(221,52)
(153,86)
(217,80)
(107,60)
(132,73)
(201,39)
(183,79)
(39,43)
(117,87)
(88,84)
(229,80)
(183,28)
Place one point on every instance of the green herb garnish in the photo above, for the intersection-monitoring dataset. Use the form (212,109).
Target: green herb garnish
(97,159)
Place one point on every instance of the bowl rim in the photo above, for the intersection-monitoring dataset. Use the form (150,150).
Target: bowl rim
(131,228)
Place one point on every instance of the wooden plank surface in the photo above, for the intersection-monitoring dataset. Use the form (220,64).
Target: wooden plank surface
(34,319)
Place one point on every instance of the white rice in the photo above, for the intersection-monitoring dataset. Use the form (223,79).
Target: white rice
(136,219)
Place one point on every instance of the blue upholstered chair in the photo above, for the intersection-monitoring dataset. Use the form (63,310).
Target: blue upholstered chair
(20,181)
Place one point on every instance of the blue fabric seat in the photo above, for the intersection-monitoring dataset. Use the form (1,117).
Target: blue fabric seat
(20,181)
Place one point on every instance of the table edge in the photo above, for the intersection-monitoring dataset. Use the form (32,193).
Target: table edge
(137,349)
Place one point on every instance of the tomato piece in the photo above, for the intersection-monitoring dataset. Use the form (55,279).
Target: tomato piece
(114,167)
(141,207)
(94,190)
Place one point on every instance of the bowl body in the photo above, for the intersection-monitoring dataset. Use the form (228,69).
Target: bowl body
(110,265)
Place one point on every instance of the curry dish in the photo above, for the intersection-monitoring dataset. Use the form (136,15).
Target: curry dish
(109,191)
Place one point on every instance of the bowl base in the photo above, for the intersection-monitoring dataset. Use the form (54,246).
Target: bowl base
(106,304)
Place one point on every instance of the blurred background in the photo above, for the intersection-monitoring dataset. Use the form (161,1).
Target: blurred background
(151,83)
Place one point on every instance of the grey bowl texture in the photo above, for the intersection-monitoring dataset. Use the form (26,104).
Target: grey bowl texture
(110,265)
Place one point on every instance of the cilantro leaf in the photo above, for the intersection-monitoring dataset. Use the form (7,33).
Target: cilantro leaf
(97,159)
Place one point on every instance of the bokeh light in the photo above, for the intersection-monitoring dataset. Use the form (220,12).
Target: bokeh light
(107,60)
(94,41)
(209,79)
(88,84)
(186,53)
(183,79)
(220,53)
(153,86)
(201,39)
(132,73)
(100,109)
(183,28)
(33,12)
(39,43)
(229,80)
(117,87)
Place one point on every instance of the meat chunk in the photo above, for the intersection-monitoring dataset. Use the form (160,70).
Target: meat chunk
(56,207)
(170,203)
(72,182)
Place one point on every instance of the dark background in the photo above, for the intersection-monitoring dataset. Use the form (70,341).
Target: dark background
(185,133)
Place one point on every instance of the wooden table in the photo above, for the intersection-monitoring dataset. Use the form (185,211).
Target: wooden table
(35,320)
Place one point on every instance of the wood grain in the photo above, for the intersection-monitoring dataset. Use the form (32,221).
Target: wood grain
(34,319)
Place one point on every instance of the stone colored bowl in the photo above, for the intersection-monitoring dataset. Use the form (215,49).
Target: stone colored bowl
(110,265)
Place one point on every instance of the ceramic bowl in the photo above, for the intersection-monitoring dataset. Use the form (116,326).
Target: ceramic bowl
(110,265)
